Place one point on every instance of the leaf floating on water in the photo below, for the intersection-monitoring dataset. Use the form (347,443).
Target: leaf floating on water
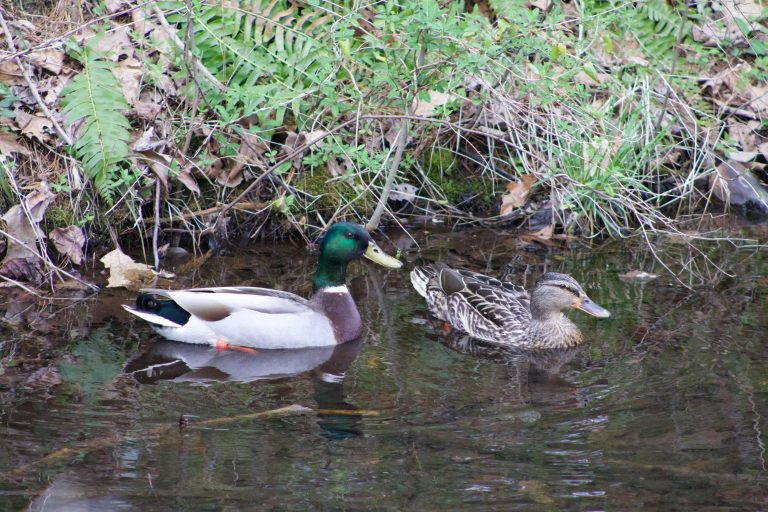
(638,275)
(69,242)
(543,236)
(126,273)
(517,194)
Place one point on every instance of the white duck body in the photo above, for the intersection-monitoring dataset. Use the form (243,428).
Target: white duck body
(258,317)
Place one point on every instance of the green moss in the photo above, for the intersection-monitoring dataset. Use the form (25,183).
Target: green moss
(331,194)
(439,162)
(58,217)
(472,192)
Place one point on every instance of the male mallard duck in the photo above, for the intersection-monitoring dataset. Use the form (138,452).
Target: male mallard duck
(502,313)
(263,318)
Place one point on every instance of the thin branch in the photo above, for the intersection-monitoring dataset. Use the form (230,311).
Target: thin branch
(400,143)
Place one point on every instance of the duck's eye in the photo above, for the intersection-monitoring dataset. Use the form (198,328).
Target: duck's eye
(349,235)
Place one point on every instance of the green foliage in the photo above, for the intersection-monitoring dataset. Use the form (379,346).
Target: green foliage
(95,98)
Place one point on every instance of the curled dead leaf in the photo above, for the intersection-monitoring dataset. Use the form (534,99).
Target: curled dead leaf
(116,42)
(126,273)
(9,144)
(129,73)
(10,74)
(517,194)
(49,59)
(32,125)
(69,241)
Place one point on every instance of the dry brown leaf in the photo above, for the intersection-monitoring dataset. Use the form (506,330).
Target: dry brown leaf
(147,141)
(33,126)
(745,134)
(426,108)
(186,179)
(9,144)
(250,152)
(129,73)
(49,59)
(543,236)
(22,223)
(116,43)
(69,242)
(115,5)
(147,110)
(126,273)
(517,195)
(10,74)
(759,100)
(542,5)
(742,156)
(583,78)
(764,149)
(334,168)
(158,163)
(743,10)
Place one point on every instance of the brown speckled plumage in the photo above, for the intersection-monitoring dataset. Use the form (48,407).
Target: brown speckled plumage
(503,313)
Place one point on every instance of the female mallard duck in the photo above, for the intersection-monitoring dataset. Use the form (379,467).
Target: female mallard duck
(263,318)
(502,313)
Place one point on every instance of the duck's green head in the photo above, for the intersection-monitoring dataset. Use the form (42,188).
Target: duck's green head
(342,243)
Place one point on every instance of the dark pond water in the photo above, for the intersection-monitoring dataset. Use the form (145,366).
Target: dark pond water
(664,408)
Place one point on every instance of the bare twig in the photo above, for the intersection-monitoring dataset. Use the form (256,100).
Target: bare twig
(400,143)
(156,229)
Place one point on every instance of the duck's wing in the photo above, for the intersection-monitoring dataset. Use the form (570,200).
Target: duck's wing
(482,309)
(214,304)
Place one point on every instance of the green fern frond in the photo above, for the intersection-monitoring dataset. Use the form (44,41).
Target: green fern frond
(256,46)
(94,96)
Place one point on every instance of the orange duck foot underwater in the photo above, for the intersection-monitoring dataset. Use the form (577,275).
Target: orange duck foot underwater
(263,318)
(503,313)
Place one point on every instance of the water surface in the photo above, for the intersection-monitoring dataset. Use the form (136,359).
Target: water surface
(664,408)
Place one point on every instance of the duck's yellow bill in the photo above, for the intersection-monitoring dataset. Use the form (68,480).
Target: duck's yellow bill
(586,305)
(376,255)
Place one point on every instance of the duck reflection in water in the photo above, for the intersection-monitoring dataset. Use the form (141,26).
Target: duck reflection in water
(200,364)
(535,376)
